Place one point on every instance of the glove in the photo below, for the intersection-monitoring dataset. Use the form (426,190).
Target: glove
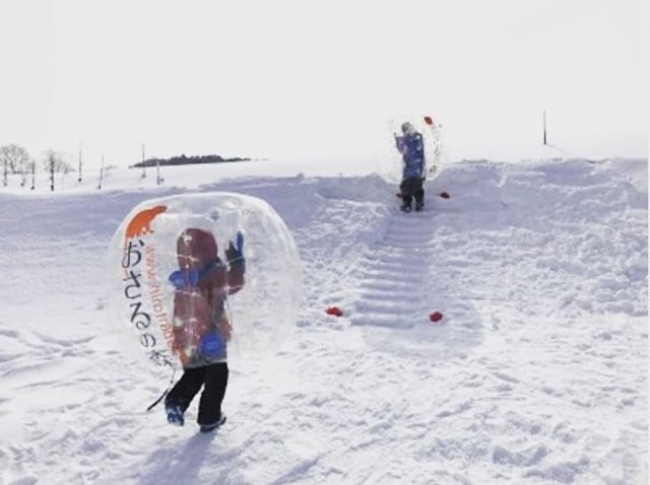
(235,252)
(184,279)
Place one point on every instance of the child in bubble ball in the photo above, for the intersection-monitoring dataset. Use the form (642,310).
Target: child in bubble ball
(201,329)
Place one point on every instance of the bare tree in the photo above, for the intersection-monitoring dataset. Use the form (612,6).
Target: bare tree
(14,159)
(54,163)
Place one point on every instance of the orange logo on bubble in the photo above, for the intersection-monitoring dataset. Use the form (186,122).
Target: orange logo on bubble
(141,222)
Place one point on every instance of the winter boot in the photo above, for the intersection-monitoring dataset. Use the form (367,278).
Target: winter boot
(206,428)
(419,205)
(174,415)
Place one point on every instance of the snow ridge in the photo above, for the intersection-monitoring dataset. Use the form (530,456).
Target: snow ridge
(536,374)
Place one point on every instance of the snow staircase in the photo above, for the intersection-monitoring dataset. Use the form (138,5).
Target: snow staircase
(393,274)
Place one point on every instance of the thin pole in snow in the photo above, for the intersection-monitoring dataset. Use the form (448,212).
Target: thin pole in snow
(144,172)
(80,148)
(52,162)
(545,127)
(101,174)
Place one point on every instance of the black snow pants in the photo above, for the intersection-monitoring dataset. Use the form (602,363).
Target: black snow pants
(410,188)
(214,379)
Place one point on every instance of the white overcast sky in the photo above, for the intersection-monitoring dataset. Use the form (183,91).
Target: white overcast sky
(278,78)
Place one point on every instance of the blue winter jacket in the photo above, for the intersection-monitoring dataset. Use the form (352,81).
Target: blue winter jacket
(411,146)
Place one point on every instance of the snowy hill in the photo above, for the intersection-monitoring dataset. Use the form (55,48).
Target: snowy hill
(537,374)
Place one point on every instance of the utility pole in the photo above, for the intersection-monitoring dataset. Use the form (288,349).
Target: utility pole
(545,127)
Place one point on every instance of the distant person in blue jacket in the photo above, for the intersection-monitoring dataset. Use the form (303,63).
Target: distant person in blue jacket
(411,146)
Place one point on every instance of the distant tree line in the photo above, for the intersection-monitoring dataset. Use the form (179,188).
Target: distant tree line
(14,159)
(185,160)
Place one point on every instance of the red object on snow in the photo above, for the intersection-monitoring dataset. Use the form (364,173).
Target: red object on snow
(428,120)
(334,310)
(444,195)
(435,317)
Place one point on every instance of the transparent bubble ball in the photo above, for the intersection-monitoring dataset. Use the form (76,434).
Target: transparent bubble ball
(195,279)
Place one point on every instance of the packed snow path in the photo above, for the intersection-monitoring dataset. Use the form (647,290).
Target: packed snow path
(535,375)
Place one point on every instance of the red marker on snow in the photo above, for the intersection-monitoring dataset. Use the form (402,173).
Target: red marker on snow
(334,310)
(435,316)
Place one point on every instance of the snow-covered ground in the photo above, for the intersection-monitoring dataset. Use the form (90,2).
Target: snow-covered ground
(537,373)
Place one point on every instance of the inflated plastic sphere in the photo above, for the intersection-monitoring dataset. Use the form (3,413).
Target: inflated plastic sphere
(194,279)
